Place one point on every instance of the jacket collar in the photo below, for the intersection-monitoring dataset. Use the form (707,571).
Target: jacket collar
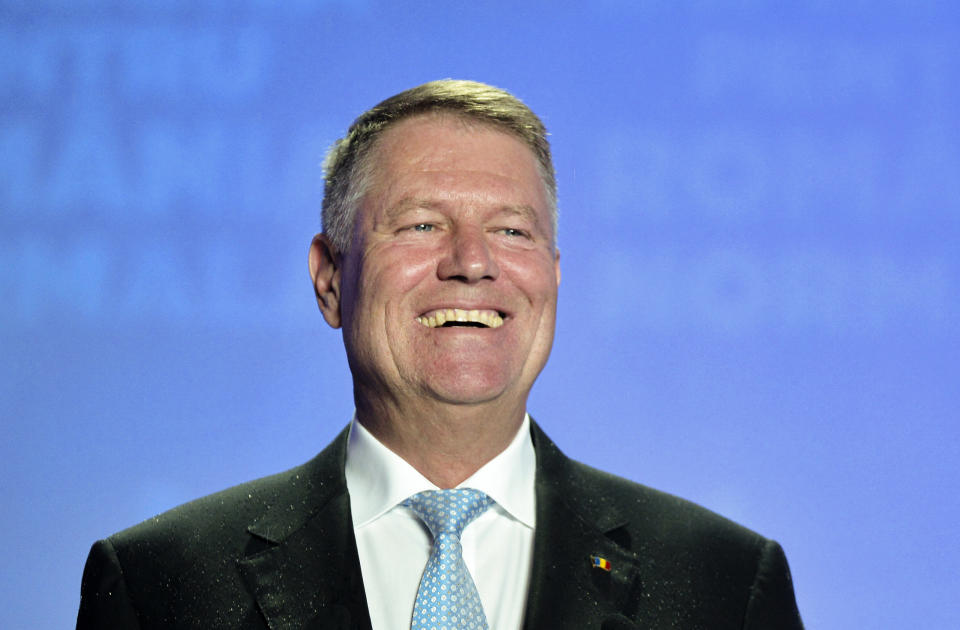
(575,524)
(303,569)
(302,565)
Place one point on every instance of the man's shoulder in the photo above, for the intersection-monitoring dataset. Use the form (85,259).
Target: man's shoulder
(221,511)
(200,560)
(665,520)
(223,518)
(661,515)
(702,569)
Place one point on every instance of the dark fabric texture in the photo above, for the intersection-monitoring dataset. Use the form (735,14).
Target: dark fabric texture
(280,553)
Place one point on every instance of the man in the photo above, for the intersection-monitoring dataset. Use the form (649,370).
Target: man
(439,262)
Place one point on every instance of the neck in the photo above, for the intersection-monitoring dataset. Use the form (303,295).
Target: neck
(445,443)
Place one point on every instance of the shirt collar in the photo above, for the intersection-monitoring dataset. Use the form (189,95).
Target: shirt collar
(378,479)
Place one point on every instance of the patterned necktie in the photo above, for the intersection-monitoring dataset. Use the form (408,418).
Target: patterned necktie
(448,598)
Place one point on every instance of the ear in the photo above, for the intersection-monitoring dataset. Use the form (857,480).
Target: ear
(325,273)
(556,265)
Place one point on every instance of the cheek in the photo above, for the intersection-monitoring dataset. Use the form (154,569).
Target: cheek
(389,286)
(535,278)
(537,281)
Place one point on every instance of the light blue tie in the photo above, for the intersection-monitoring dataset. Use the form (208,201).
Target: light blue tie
(448,598)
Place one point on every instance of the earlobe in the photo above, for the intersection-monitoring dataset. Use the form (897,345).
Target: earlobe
(556,266)
(325,274)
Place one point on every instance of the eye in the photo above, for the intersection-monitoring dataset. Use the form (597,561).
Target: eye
(422,227)
(514,232)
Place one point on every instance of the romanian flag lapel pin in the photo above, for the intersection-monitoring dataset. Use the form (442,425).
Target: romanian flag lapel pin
(599,562)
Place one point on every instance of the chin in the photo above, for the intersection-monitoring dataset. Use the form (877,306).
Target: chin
(468,388)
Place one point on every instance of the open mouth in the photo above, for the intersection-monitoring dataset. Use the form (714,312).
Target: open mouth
(452,317)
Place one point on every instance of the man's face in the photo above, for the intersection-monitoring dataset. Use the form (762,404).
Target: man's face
(455,226)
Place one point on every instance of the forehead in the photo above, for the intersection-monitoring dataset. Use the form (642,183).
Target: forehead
(438,145)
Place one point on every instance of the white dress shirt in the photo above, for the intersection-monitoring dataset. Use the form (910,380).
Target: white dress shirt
(394,544)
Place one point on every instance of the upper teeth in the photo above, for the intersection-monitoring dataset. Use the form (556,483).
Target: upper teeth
(439,317)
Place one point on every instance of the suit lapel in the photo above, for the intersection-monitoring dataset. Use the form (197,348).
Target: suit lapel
(302,566)
(566,590)
(303,570)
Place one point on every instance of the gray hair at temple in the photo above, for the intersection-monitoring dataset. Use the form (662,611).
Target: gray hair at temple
(347,165)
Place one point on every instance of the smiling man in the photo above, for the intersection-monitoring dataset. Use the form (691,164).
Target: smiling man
(446,292)
(442,504)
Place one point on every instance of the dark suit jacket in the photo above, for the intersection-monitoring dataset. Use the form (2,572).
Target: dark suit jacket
(280,553)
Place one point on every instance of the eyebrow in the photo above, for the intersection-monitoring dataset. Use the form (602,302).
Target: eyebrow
(411,203)
(529,212)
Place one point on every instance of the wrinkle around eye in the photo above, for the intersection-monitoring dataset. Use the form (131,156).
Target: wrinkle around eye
(515,232)
(522,238)
(418,228)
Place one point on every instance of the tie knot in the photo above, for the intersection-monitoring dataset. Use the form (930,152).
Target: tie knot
(448,511)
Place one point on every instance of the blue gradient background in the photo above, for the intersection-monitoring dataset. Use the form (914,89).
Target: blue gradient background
(760,214)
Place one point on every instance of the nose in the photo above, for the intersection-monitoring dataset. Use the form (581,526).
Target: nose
(468,257)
